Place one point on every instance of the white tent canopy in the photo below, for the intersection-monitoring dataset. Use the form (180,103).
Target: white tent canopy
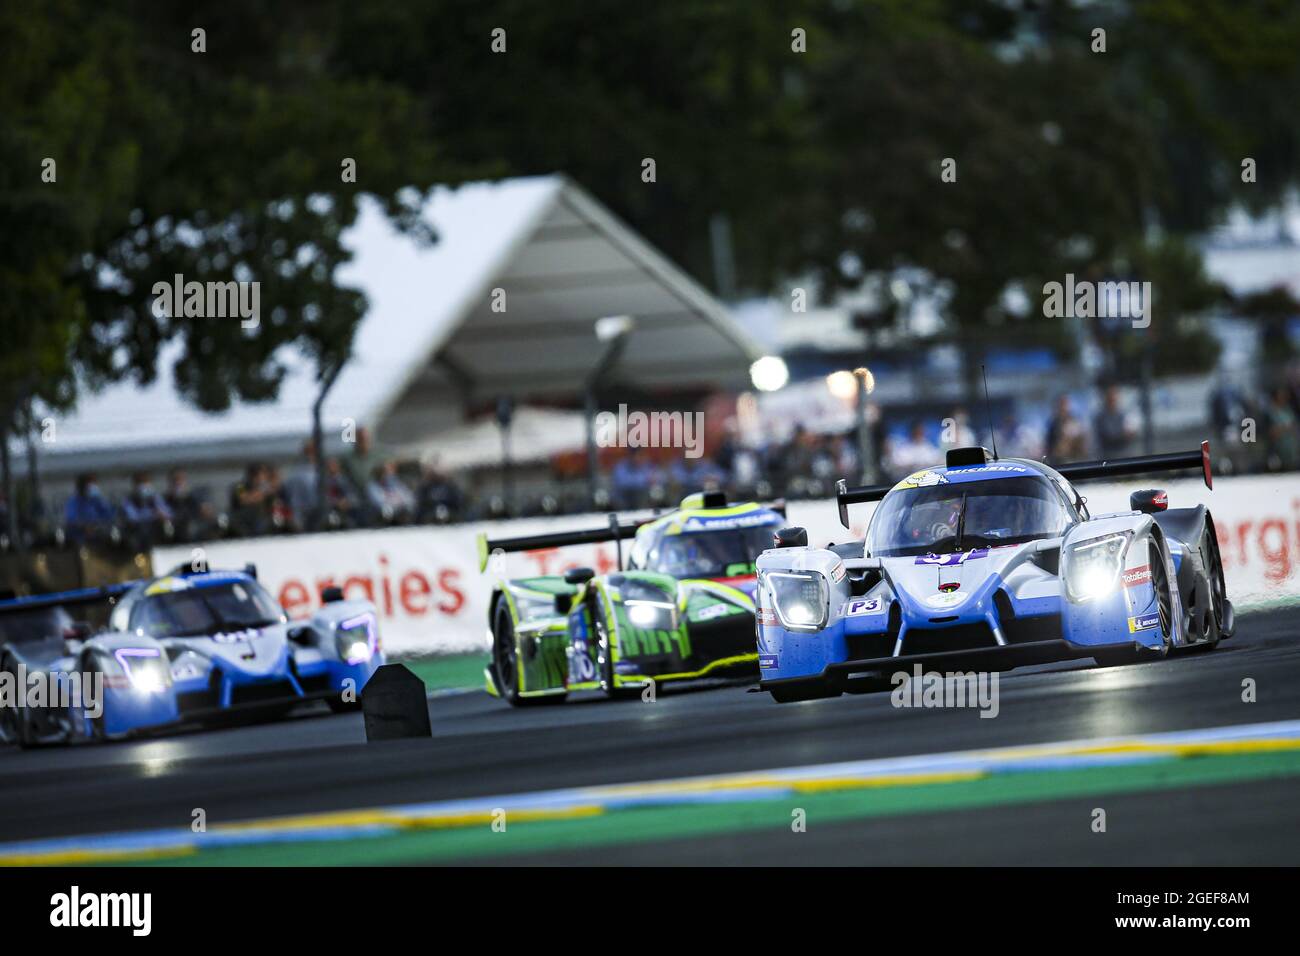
(431,341)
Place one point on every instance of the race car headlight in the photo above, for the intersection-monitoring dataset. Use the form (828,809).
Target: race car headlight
(801,599)
(147,668)
(531,607)
(356,638)
(1092,568)
(651,615)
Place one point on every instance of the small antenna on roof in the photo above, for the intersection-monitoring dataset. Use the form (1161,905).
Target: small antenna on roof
(988,412)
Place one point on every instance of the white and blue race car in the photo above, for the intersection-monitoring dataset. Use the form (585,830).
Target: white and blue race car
(186,647)
(992,563)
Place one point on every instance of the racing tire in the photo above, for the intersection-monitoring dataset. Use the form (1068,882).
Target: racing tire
(1164,593)
(11,722)
(796,693)
(1212,629)
(505,661)
(601,626)
(338,705)
(98,733)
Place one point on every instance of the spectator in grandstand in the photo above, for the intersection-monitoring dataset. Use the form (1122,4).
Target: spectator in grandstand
(146,513)
(1283,432)
(1067,438)
(1228,408)
(300,490)
(1017,440)
(192,514)
(631,478)
(389,496)
(746,468)
(823,465)
(282,517)
(359,467)
(845,454)
(725,454)
(252,500)
(1293,386)
(797,458)
(958,433)
(340,500)
(1113,425)
(912,453)
(437,499)
(88,515)
(687,475)
(144,505)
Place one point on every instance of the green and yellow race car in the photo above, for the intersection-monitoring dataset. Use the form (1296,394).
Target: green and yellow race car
(682,609)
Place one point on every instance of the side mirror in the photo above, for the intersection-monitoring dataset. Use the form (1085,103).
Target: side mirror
(578,575)
(563,603)
(331,594)
(303,635)
(1149,500)
(790,538)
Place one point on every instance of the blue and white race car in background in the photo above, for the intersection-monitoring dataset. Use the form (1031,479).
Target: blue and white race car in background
(992,563)
(186,647)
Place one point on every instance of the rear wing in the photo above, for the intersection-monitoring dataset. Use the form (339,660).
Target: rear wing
(1118,467)
(1082,471)
(74,598)
(615,531)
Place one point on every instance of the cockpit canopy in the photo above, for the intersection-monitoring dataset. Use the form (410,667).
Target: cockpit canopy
(705,544)
(944,517)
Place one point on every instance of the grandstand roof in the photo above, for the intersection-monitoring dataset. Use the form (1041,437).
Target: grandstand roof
(431,342)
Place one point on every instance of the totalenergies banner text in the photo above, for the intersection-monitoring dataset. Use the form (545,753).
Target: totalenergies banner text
(432,598)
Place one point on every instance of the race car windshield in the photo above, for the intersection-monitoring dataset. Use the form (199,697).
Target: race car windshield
(712,554)
(207,610)
(944,518)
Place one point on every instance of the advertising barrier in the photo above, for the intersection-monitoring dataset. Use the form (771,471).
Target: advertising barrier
(431,597)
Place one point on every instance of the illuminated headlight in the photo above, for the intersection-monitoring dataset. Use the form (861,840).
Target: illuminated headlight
(651,615)
(356,638)
(1092,568)
(147,668)
(801,599)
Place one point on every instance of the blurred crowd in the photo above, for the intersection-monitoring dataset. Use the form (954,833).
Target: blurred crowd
(357,490)
(363,488)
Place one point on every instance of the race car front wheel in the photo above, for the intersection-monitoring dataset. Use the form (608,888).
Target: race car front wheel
(505,660)
(1164,596)
(11,728)
(605,648)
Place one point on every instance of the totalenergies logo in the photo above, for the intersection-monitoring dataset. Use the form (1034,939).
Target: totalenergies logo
(412,592)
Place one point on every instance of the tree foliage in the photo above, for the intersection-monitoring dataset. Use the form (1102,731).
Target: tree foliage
(824,154)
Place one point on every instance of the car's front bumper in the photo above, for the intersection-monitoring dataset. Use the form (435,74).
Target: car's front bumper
(842,673)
